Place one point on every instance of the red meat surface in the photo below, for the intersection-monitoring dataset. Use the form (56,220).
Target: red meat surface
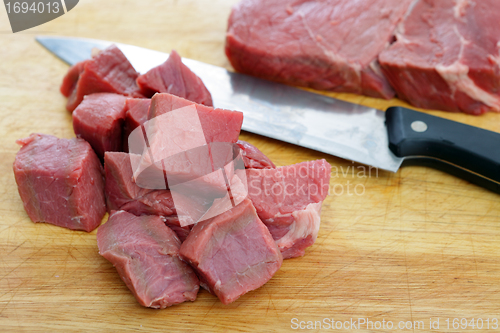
(253,157)
(218,125)
(70,80)
(288,200)
(122,193)
(322,44)
(173,223)
(232,253)
(99,120)
(145,253)
(60,182)
(447,56)
(108,71)
(136,115)
(175,78)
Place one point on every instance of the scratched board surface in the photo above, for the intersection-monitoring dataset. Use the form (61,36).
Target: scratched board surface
(399,248)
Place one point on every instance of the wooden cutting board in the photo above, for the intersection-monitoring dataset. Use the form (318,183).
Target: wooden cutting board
(399,248)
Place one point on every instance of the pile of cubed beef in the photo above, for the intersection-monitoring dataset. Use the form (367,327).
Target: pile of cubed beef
(72,183)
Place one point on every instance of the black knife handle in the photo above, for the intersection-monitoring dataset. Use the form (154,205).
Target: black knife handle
(470,152)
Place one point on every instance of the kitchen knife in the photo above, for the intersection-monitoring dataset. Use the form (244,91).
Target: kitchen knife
(354,132)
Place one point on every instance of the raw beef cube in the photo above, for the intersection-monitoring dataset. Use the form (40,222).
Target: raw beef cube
(108,71)
(99,119)
(123,193)
(145,253)
(175,78)
(233,253)
(322,44)
(136,115)
(288,200)
(447,56)
(218,125)
(253,157)
(60,181)
(178,146)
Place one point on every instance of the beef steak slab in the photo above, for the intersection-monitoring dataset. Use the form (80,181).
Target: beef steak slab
(447,56)
(322,44)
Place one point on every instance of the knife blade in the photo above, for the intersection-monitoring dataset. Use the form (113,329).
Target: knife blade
(366,135)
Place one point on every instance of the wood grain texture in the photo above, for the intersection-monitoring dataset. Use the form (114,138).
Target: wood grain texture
(407,247)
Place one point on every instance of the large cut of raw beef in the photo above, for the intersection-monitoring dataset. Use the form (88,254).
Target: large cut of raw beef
(447,56)
(322,44)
